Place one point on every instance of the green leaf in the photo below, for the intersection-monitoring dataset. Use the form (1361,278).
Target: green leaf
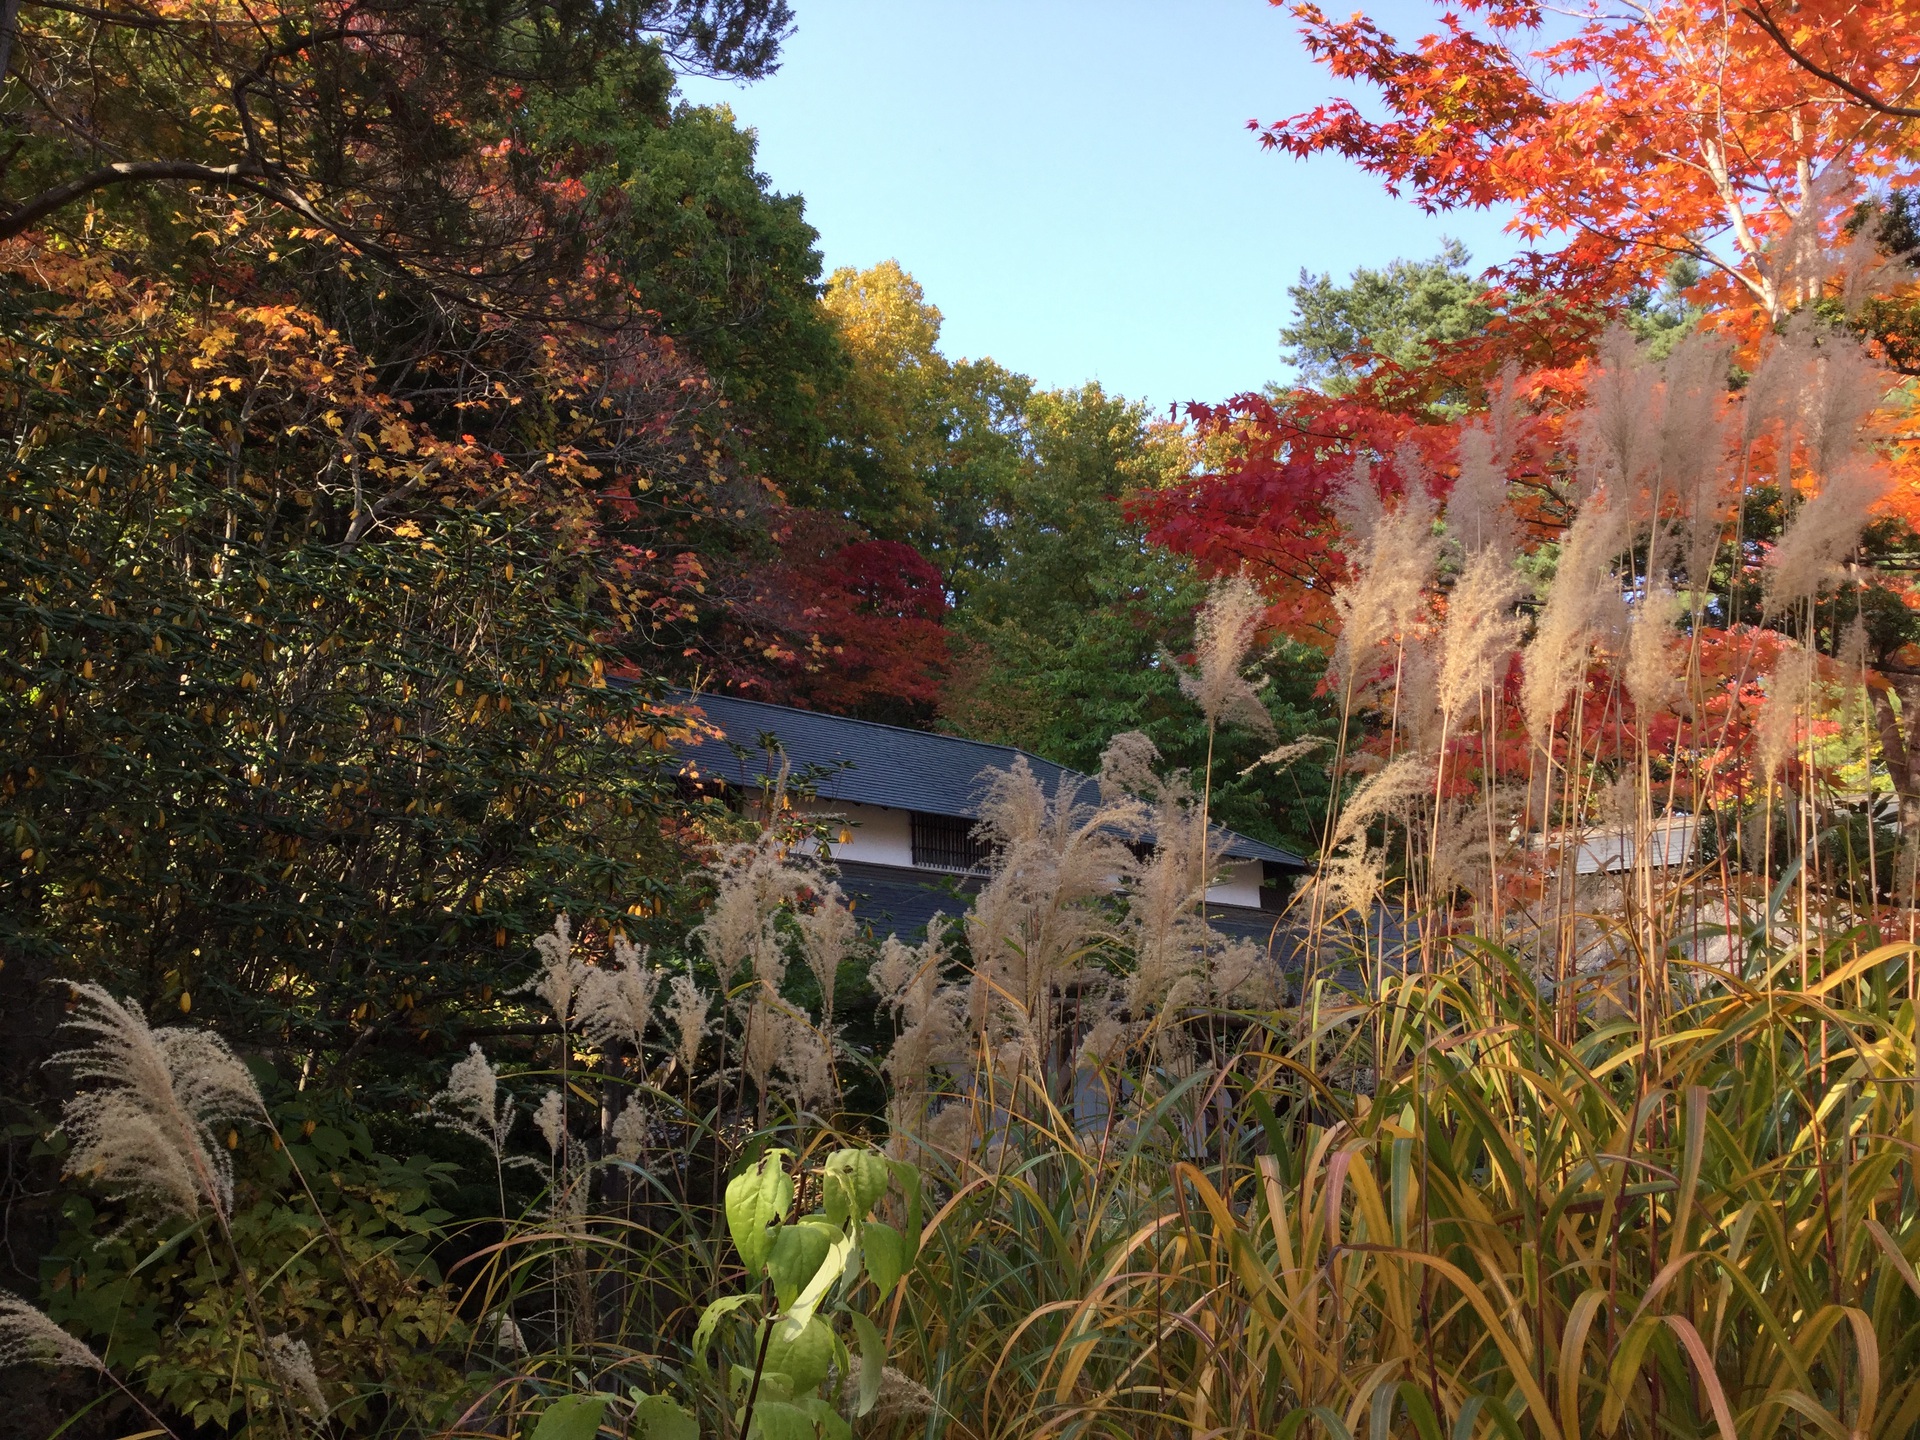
(758,1199)
(778,1420)
(703,1333)
(797,1252)
(804,1358)
(884,1250)
(853,1183)
(572,1417)
(832,1424)
(873,1362)
(655,1417)
(831,1269)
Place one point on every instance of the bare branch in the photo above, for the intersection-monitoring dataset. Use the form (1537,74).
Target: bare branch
(29,213)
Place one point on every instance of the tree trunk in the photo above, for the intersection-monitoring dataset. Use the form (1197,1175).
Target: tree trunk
(1902,754)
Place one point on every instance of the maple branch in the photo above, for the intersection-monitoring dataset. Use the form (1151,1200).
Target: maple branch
(138,20)
(1758,14)
(29,213)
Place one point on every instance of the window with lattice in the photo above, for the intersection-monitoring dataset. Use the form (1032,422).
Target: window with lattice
(947,842)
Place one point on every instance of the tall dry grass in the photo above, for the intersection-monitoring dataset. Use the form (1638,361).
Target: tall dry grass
(1526,1150)
(1708,1229)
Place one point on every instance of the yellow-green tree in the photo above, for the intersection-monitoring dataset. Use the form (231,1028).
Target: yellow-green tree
(924,447)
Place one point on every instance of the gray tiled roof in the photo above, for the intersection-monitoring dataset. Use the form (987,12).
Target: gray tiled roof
(874,764)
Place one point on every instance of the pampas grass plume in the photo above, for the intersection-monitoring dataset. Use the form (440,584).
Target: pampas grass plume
(1821,534)
(292,1365)
(149,1130)
(29,1336)
(1557,656)
(687,1008)
(472,1103)
(1224,637)
(616,1002)
(1481,630)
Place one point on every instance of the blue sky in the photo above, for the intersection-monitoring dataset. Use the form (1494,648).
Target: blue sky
(1072,181)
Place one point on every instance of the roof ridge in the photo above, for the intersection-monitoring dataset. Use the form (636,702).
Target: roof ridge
(985,755)
(696,696)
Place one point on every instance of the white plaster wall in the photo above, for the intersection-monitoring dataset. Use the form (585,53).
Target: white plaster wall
(1239,884)
(875,834)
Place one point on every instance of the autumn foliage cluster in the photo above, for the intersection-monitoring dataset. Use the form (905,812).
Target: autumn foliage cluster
(1760,159)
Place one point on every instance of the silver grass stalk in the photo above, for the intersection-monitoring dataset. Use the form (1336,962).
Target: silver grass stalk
(616,1002)
(1460,856)
(1381,795)
(1650,677)
(910,980)
(562,974)
(29,1336)
(1770,399)
(1353,873)
(1241,976)
(901,1398)
(1618,433)
(1282,756)
(290,1362)
(1798,259)
(762,1037)
(1416,700)
(1357,505)
(827,934)
(1694,420)
(1821,534)
(1165,930)
(1845,388)
(1228,626)
(148,1130)
(1696,438)
(1478,515)
(1866,271)
(551,1120)
(805,1059)
(1480,633)
(1851,661)
(1129,766)
(473,1103)
(1386,597)
(1557,657)
(687,1009)
(632,1128)
(1789,697)
(1037,917)
(753,881)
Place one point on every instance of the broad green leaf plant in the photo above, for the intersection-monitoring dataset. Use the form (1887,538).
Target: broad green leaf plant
(801,1327)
